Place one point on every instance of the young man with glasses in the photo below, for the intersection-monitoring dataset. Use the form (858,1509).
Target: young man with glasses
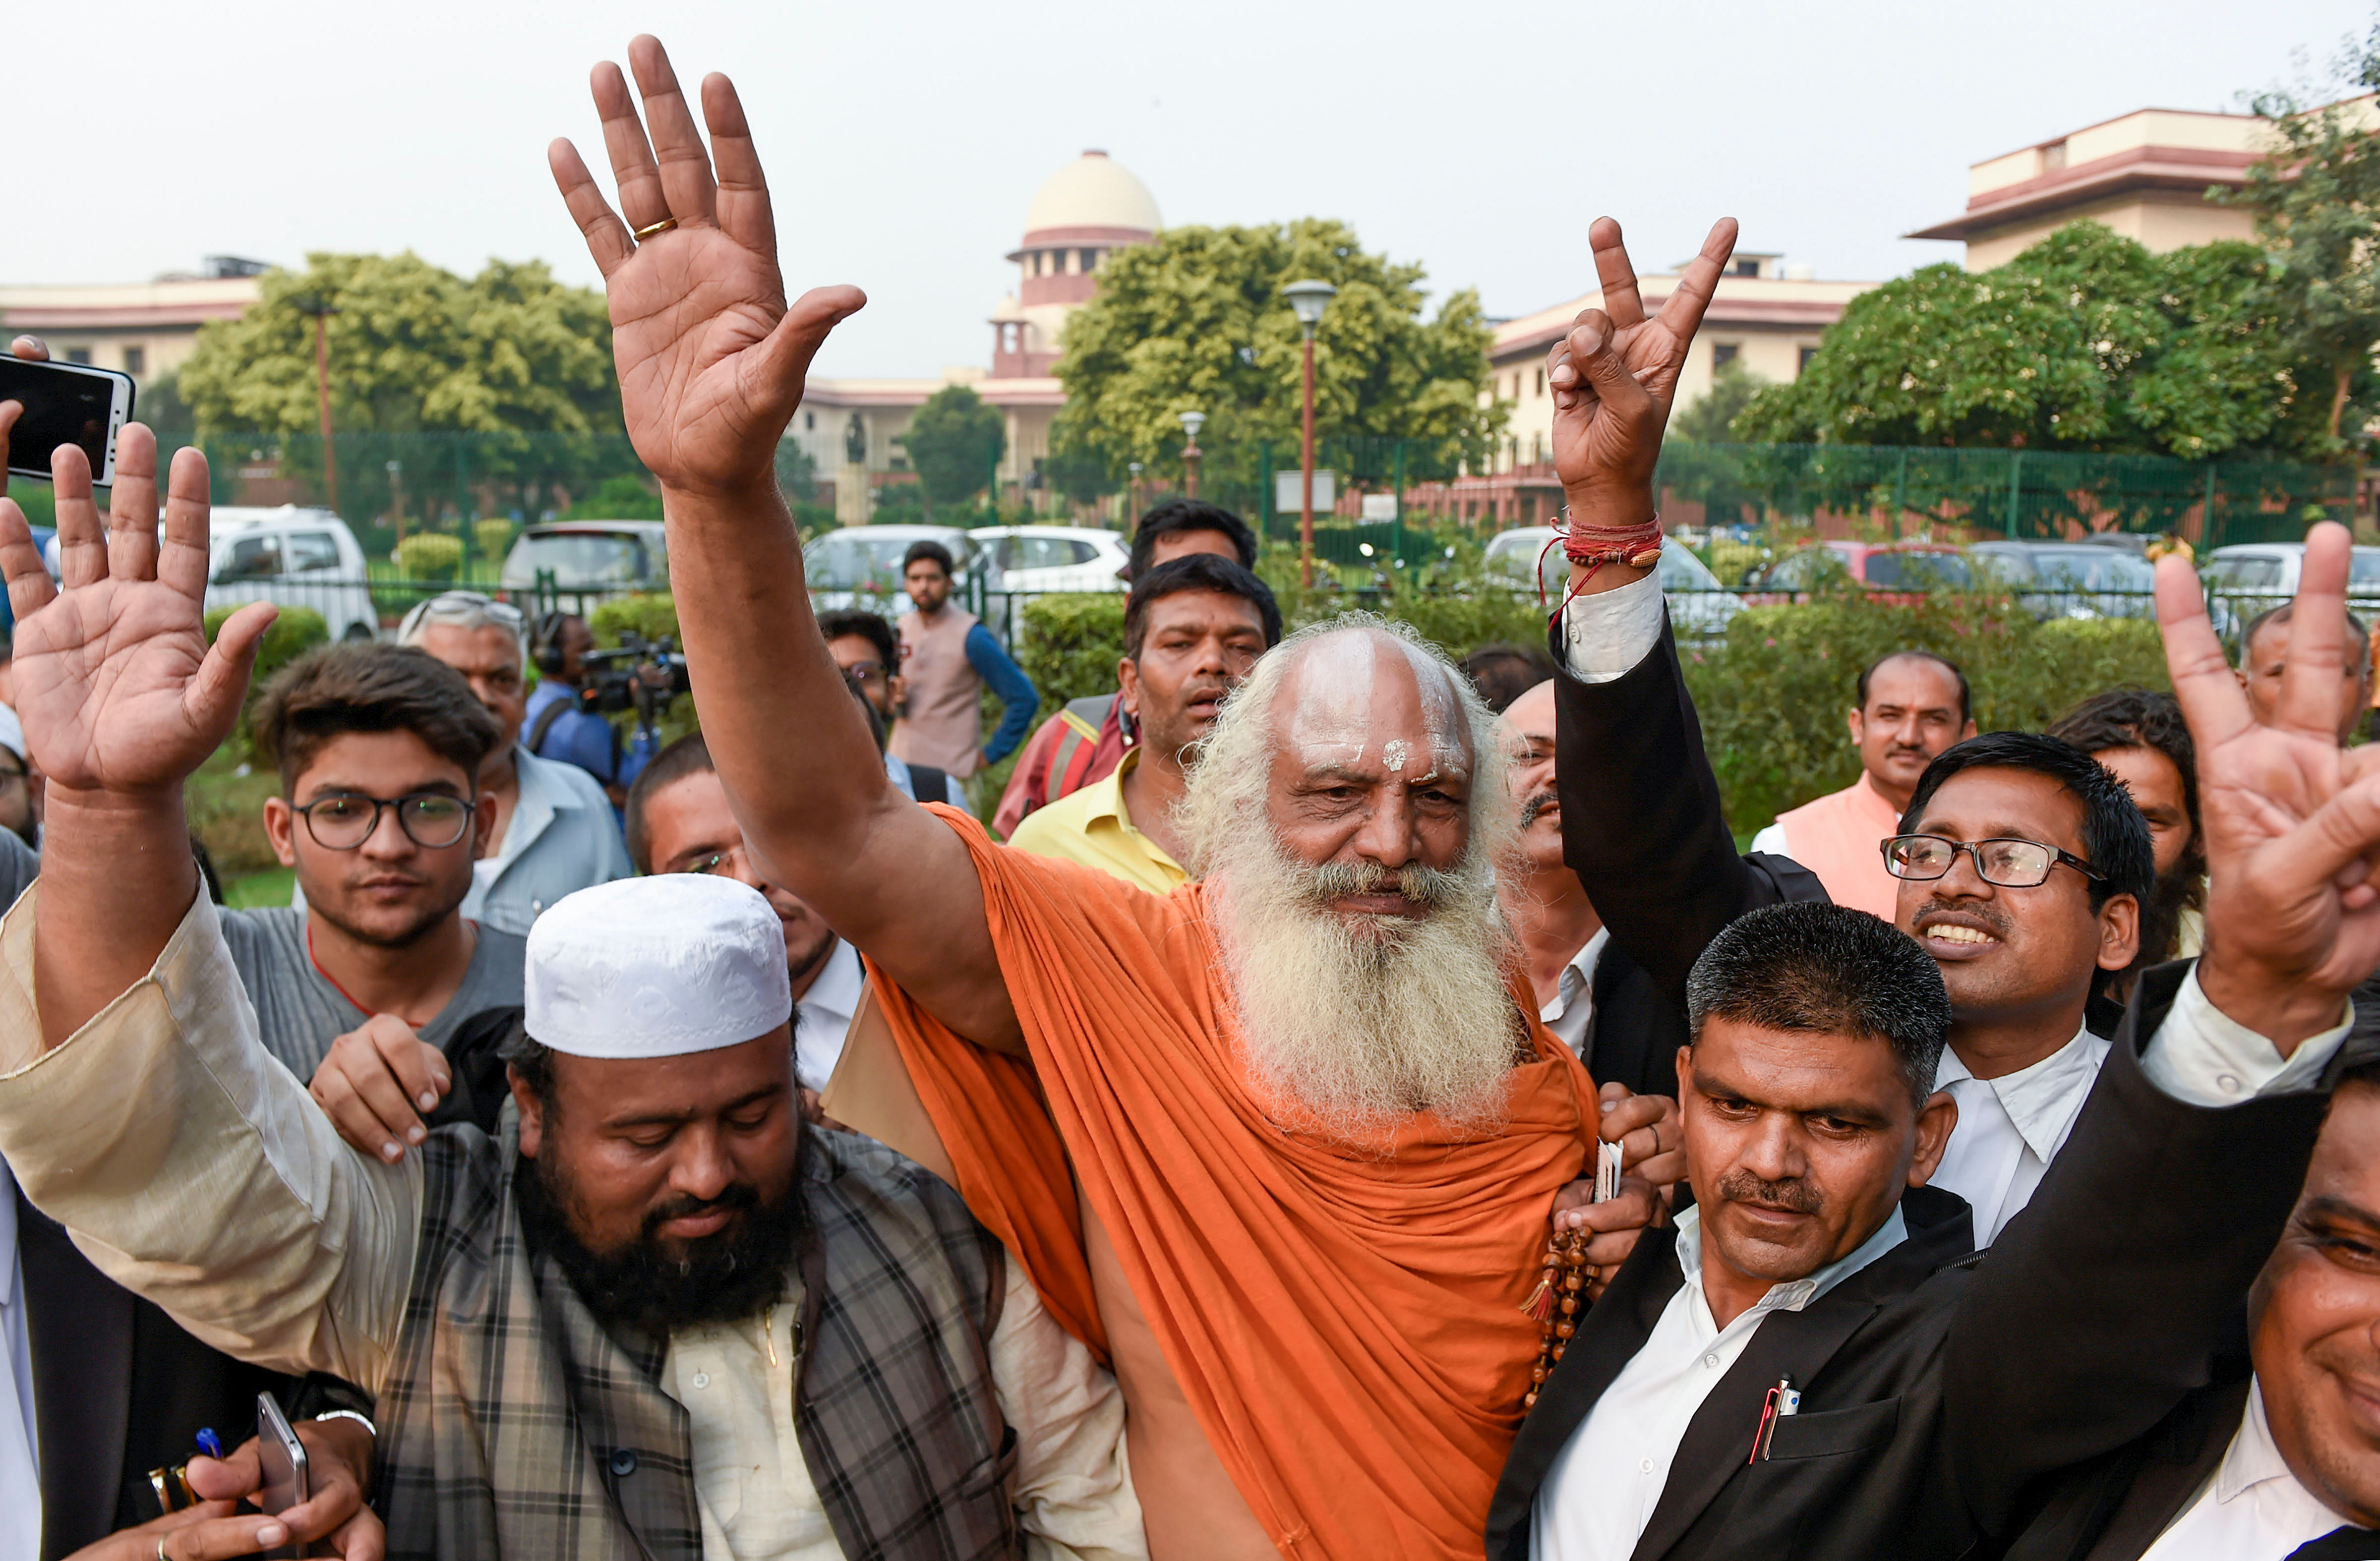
(380,749)
(863,645)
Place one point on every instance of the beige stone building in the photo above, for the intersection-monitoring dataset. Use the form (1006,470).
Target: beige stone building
(145,328)
(2145,175)
(852,427)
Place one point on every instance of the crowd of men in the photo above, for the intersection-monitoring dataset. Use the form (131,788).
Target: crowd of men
(1366,1107)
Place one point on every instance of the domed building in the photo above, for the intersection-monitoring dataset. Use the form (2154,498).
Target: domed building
(1088,208)
(1083,213)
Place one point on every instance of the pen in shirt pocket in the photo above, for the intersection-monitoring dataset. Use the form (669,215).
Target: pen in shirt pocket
(1776,1404)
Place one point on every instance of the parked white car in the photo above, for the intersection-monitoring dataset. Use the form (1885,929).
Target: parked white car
(1699,606)
(859,566)
(1023,561)
(293,557)
(2247,578)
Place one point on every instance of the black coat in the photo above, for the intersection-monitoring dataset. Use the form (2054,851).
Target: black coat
(1943,1392)
(1636,789)
(119,1389)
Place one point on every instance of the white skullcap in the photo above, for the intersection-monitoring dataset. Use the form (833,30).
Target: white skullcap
(12,733)
(657,967)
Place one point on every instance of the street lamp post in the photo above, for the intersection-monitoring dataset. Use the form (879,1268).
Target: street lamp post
(396,495)
(320,309)
(1191,423)
(1135,467)
(1308,298)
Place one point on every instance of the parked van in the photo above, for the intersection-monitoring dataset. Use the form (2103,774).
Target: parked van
(294,558)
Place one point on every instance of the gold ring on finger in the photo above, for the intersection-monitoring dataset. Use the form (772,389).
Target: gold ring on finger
(160,1549)
(653,230)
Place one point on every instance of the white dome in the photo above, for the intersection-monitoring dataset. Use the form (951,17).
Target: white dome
(1093,191)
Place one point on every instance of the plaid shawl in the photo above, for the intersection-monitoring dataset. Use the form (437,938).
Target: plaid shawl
(514,1425)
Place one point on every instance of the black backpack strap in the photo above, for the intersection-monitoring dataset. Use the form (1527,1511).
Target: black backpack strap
(544,723)
(929,783)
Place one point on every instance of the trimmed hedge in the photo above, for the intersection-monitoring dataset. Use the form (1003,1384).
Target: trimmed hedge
(493,537)
(652,614)
(1069,645)
(430,555)
(295,631)
(1776,695)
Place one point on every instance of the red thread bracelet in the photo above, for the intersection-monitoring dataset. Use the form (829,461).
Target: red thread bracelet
(1638,546)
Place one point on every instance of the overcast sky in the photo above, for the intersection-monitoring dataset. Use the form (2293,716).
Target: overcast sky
(906,140)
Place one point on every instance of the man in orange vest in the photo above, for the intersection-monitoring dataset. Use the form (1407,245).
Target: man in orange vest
(1913,704)
(1085,741)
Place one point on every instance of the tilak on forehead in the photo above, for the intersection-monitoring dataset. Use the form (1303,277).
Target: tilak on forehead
(1334,717)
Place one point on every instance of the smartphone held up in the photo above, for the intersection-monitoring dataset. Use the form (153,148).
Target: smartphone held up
(64,404)
(282,1460)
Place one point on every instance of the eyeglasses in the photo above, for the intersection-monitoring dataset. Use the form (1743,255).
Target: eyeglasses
(716,861)
(2010,864)
(430,819)
(860,671)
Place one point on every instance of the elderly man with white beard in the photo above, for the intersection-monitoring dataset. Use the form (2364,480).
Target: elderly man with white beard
(1282,1144)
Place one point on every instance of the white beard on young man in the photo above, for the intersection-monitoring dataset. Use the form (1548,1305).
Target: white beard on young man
(1362,1020)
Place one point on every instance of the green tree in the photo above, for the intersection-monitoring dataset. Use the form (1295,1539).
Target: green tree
(410,347)
(954,443)
(1194,321)
(1708,420)
(2316,197)
(2084,341)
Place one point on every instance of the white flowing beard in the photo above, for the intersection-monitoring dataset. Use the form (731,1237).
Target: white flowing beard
(1362,1020)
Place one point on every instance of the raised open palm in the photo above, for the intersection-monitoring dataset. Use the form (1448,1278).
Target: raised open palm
(712,360)
(1615,375)
(116,683)
(2292,819)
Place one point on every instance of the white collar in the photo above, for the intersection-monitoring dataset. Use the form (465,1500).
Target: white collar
(2043,1100)
(2252,1460)
(1792,1295)
(534,803)
(839,983)
(1577,979)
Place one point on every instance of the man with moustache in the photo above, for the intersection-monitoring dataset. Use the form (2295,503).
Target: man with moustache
(1594,996)
(380,750)
(652,1316)
(1910,706)
(1281,1142)
(1192,629)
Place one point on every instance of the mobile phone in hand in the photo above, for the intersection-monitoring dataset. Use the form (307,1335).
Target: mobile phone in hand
(282,1459)
(64,404)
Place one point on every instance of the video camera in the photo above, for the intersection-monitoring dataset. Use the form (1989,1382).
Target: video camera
(643,675)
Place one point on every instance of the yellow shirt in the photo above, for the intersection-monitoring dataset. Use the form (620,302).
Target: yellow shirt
(1092,828)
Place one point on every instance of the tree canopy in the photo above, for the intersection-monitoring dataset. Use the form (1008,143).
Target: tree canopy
(1194,321)
(2085,342)
(954,443)
(412,348)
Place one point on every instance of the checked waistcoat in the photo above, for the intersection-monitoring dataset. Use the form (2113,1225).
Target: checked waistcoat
(513,1424)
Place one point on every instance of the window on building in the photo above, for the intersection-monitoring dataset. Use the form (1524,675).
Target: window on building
(1807,353)
(78,354)
(1541,383)
(1724,353)
(1085,259)
(809,422)
(136,360)
(1746,267)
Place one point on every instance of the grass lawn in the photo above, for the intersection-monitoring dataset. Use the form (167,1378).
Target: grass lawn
(260,890)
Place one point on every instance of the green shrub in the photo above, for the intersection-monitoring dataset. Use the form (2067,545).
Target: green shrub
(295,631)
(652,614)
(430,555)
(622,496)
(1775,696)
(492,537)
(1069,645)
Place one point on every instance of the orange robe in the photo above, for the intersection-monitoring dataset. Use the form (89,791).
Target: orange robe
(1345,1323)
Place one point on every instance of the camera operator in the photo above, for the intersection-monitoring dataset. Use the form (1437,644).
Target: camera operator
(564,725)
(555,830)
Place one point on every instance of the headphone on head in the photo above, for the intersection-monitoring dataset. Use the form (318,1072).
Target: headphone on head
(545,643)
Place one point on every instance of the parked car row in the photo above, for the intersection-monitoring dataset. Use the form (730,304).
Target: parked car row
(860,565)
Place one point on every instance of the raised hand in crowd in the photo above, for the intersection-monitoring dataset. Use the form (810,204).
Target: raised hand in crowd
(332,1519)
(122,698)
(2292,819)
(1615,376)
(378,1083)
(711,357)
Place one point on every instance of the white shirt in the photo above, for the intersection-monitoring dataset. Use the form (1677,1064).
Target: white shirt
(1570,1014)
(1772,839)
(823,1015)
(21,1464)
(754,1490)
(1603,1486)
(2251,1508)
(2011,1127)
